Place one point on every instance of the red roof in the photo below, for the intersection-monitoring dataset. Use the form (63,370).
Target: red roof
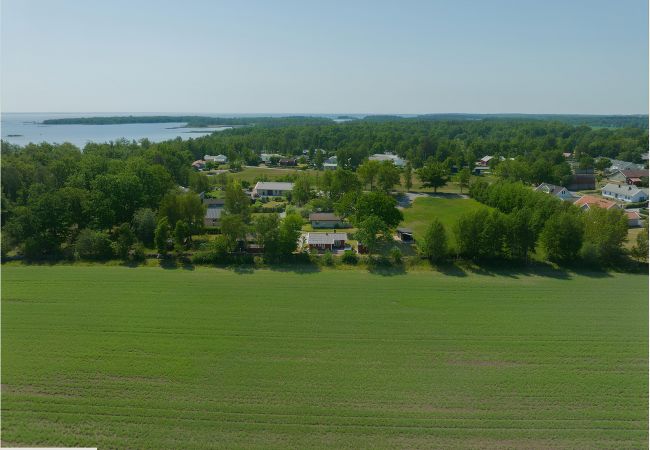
(592,200)
(632,215)
(635,173)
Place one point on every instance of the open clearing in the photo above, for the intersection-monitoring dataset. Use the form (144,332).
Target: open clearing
(116,357)
(420,214)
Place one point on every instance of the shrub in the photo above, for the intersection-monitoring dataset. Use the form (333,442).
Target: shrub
(433,245)
(136,253)
(93,245)
(327,258)
(396,255)
(349,257)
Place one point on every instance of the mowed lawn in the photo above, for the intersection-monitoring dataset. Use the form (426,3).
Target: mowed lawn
(422,211)
(116,357)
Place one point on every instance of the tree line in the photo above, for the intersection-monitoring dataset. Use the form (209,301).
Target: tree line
(521,222)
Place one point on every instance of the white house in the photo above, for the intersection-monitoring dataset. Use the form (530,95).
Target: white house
(622,165)
(330,163)
(219,159)
(559,191)
(399,162)
(266,189)
(266,157)
(625,192)
(325,241)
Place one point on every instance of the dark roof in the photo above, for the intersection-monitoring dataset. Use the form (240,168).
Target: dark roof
(632,173)
(214,202)
(549,188)
(324,216)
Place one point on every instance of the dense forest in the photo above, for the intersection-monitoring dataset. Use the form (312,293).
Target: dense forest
(637,121)
(418,140)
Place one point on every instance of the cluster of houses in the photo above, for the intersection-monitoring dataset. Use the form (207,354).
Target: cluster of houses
(200,164)
(617,192)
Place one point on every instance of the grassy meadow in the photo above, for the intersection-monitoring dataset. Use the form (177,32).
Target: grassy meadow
(119,357)
(418,216)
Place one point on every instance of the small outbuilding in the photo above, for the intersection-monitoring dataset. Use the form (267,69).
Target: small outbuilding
(405,234)
(325,220)
(213,211)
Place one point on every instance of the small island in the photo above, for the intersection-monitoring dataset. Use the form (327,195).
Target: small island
(191,121)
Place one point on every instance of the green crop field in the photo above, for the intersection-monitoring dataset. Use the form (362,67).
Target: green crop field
(420,214)
(119,357)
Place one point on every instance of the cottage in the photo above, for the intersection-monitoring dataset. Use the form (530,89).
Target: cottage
(629,176)
(330,163)
(485,161)
(199,164)
(325,220)
(213,211)
(326,241)
(405,234)
(266,189)
(481,170)
(266,157)
(288,162)
(625,192)
(399,162)
(587,202)
(633,219)
(558,191)
(219,159)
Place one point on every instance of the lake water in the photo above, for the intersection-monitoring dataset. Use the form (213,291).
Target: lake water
(23,128)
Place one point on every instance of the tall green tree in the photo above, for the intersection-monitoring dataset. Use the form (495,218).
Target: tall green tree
(640,248)
(434,174)
(236,201)
(233,229)
(368,172)
(267,232)
(379,205)
(371,231)
(388,176)
(183,206)
(162,235)
(433,244)
(301,192)
(464,175)
(144,225)
(605,231)
(408,176)
(562,236)
(182,234)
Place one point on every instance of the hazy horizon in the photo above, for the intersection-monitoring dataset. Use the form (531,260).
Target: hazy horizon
(415,57)
(209,113)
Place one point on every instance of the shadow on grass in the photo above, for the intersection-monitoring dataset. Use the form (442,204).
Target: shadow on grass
(242,269)
(171,263)
(299,268)
(516,270)
(450,269)
(384,267)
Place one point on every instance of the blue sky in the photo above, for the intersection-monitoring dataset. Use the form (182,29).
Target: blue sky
(551,56)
